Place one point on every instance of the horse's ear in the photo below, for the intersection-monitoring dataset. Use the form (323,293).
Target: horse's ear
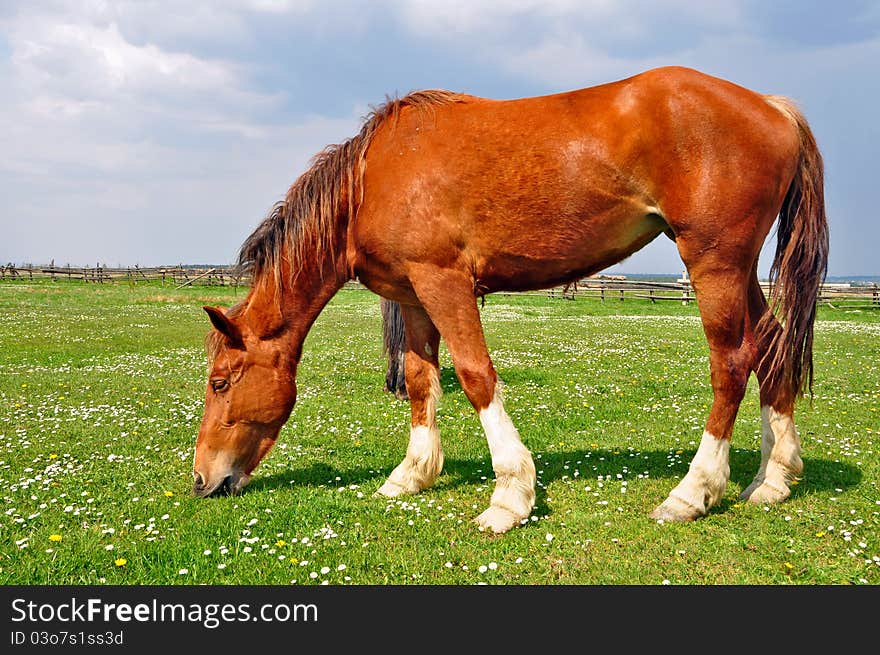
(225,326)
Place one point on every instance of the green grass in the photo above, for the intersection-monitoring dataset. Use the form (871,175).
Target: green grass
(101,392)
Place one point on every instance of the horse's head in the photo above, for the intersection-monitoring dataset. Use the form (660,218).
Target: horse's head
(250,393)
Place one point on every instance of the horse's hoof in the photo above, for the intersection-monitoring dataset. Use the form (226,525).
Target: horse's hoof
(391,490)
(763,492)
(676,510)
(497,519)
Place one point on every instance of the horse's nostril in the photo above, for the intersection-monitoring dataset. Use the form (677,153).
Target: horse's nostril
(198,481)
(225,486)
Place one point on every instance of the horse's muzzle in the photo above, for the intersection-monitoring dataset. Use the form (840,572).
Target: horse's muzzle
(228,486)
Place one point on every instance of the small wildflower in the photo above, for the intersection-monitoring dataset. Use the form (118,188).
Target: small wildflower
(341,567)
(482,568)
(325,570)
(168,494)
(548,537)
(55,537)
(493,566)
(120,562)
(221,566)
(280,543)
(183,572)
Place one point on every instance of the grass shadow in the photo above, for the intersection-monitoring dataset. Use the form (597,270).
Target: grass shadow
(318,474)
(820,475)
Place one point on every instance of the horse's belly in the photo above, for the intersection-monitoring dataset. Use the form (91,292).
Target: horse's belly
(558,254)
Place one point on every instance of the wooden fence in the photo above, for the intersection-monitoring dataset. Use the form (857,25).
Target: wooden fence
(178,276)
(613,288)
(604,287)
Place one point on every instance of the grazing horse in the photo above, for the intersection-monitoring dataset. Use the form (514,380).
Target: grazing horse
(443,198)
(394,347)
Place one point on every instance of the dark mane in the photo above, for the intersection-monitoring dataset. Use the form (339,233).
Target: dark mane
(307,218)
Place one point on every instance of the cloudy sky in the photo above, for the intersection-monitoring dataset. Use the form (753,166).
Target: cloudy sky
(157,132)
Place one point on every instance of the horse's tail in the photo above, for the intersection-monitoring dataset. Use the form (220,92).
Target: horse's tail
(394,345)
(799,266)
(393,337)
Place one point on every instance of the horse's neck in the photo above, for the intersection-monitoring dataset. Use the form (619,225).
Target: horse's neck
(309,293)
(287,313)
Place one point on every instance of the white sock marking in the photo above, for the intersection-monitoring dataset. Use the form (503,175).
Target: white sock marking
(424,453)
(706,479)
(780,458)
(514,469)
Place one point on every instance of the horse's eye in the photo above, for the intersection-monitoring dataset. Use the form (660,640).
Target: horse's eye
(219,384)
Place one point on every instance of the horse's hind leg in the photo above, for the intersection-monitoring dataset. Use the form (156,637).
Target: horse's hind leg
(722,295)
(780,446)
(424,455)
(449,298)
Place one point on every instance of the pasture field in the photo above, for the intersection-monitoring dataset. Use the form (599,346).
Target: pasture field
(101,393)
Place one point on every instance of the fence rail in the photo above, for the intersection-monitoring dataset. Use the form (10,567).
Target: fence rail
(179,275)
(609,288)
(604,287)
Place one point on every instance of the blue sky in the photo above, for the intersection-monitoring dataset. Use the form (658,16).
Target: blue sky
(161,132)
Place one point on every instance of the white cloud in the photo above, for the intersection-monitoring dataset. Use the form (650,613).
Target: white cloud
(280,6)
(153,204)
(116,144)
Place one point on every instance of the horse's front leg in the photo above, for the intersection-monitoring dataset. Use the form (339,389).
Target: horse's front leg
(449,299)
(424,455)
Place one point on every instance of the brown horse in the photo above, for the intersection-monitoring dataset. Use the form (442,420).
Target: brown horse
(443,198)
